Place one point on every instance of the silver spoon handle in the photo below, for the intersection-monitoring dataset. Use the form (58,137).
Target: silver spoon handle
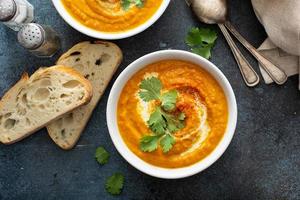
(273,71)
(249,75)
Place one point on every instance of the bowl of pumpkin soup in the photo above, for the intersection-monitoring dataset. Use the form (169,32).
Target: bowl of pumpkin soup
(110,19)
(171,114)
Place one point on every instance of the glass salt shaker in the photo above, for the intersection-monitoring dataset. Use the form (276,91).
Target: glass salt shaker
(14,13)
(40,40)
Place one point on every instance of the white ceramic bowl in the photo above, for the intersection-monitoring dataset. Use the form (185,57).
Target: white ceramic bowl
(103,35)
(135,160)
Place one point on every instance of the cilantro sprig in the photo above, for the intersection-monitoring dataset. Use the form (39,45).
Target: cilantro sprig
(127,3)
(164,120)
(201,41)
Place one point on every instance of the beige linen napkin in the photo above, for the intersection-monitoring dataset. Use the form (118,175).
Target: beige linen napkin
(281,20)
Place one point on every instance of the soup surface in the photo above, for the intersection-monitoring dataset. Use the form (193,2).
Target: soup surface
(200,98)
(109,15)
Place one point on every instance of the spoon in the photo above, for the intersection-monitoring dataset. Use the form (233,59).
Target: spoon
(215,11)
(272,70)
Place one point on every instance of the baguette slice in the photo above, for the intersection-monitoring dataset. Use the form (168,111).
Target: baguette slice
(97,61)
(34,102)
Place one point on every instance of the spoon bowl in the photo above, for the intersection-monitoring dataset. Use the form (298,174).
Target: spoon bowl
(210,12)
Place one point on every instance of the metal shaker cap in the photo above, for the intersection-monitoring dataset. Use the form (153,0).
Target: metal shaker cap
(8,9)
(31,36)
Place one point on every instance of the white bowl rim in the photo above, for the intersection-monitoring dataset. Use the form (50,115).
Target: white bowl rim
(134,160)
(104,35)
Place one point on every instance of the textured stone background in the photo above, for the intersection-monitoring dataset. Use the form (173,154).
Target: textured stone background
(262,161)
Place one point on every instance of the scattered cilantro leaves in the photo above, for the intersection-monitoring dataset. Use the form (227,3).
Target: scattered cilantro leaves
(114,184)
(163,121)
(127,3)
(201,41)
(101,155)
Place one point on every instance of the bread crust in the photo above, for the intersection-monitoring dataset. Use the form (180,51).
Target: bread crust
(19,83)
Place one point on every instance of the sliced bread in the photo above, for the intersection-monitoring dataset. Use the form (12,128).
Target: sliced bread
(97,61)
(34,102)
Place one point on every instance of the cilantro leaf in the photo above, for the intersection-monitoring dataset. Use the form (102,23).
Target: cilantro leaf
(203,51)
(150,89)
(125,4)
(208,36)
(174,123)
(149,143)
(156,122)
(181,116)
(193,37)
(167,143)
(114,184)
(101,155)
(169,100)
(139,3)
(201,41)
(201,36)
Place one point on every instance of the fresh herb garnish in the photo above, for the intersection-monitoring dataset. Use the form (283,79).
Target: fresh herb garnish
(156,122)
(150,89)
(168,100)
(149,143)
(165,120)
(201,41)
(127,3)
(167,142)
(101,155)
(114,184)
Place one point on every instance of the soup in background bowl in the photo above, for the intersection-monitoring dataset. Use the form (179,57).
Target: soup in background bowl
(204,96)
(109,19)
(109,15)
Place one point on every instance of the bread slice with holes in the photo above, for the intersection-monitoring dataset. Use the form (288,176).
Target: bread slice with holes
(97,61)
(34,102)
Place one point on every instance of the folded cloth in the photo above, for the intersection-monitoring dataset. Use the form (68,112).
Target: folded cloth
(281,20)
(289,63)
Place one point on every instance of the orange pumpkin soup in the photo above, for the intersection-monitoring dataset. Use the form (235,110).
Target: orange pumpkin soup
(109,15)
(200,98)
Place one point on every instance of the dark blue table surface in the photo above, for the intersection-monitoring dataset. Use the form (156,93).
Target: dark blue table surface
(262,162)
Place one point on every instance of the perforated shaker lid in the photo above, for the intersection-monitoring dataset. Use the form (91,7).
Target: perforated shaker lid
(8,9)
(31,36)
